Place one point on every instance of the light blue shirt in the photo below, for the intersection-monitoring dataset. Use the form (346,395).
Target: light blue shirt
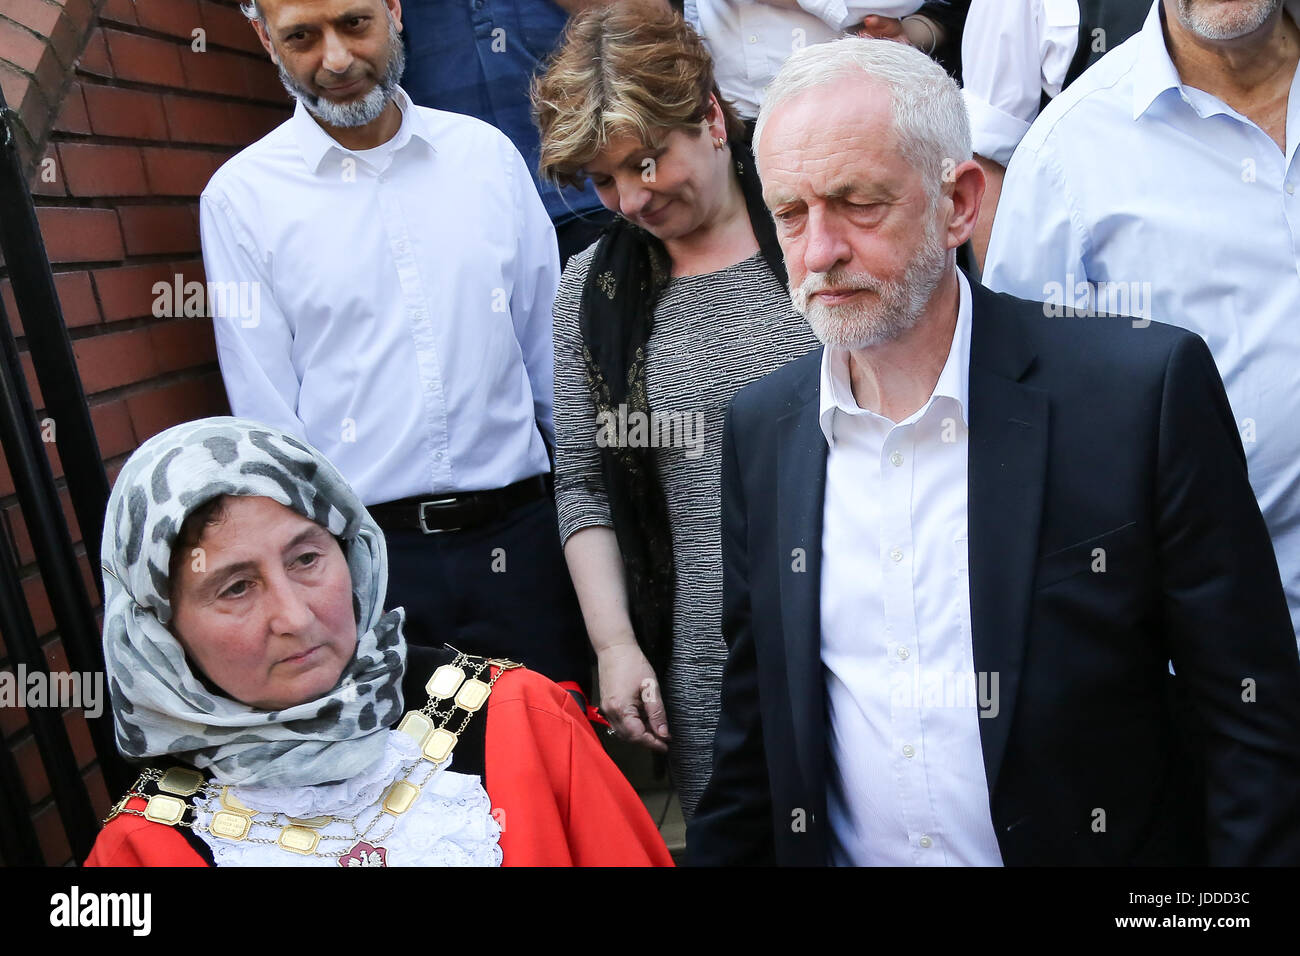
(1137,193)
(391,306)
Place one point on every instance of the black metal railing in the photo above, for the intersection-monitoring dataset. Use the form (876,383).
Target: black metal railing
(25,451)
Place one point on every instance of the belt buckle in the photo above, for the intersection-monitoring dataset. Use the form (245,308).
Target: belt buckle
(419,513)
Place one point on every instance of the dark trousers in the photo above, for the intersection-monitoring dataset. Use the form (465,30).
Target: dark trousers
(501,589)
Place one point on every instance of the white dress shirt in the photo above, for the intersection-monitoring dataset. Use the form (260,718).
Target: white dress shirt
(749,40)
(1162,197)
(906,766)
(403,320)
(1012,52)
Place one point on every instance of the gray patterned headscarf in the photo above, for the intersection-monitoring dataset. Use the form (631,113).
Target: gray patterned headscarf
(159,705)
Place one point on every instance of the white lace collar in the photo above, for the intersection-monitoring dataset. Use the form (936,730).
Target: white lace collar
(450,823)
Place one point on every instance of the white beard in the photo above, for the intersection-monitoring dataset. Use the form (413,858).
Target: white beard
(369,107)
(898,305)
(1209,24)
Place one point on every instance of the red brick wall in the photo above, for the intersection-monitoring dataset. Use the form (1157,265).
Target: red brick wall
(123,121)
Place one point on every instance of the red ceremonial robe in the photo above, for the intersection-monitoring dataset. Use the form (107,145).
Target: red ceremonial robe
(559,799)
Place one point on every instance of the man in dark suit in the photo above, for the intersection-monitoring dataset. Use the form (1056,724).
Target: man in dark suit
(964,542)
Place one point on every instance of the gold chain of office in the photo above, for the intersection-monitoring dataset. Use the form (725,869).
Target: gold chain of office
(452,692)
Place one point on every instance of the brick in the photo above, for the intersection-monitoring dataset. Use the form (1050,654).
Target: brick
(100,801)
(73,117)
(12,720)
(118,11)
(22,538)
(216,72)
(11,307)
(194,120)
(129,114)
(178,18)
(32,770)
(36,15)
(183,343)
(228,27)
(76,299)
(160,408)
(83,748)
(47,178)
(263,83)
(80,235)
(23,93)
(81,13)
(145,59)
(151,230)
(33,386)
(127,293)
(118,358)
(66,42)
(50,834)
(179,172)
(38,604)
(94,59)
(21,47)
(112,424)
(94,170)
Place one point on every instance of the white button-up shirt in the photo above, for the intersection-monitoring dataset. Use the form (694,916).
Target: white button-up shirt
(1137,193)
(749,40)
(394,306)
(907,770)
(1012,52)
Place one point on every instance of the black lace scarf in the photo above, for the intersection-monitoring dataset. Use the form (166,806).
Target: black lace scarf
(629,272)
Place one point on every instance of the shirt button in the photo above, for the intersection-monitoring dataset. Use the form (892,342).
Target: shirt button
(1290,189)
(903,654)
(909,751)
(926,842)
(430,386)
(753,39)
(401,245)
(896,459)
(896,554)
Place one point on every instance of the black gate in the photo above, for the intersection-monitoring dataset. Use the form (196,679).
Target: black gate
(26,439)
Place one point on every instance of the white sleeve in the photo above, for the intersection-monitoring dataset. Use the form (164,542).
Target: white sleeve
(254,340)
(537,276)
(1002,73)
(1038,247)
(842,14)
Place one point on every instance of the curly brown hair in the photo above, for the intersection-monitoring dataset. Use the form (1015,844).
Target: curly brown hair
(632,68)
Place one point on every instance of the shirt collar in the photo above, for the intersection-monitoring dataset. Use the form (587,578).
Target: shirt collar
(953,383)
(1154,72)
(316,144)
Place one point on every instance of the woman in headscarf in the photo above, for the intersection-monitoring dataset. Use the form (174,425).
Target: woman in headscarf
(681,302)
(253,670)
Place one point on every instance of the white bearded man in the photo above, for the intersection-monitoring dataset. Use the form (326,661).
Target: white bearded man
(962,543)
(406,270)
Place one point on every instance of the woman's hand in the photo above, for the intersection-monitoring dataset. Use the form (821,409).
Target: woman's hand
(630,698)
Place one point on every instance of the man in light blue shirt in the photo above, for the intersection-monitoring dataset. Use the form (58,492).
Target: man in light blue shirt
(1163,185)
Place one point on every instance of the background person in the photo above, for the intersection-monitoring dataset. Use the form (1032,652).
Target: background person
(680,303)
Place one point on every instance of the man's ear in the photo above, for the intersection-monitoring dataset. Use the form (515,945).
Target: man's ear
(964,187)
(395,8)
(260,29)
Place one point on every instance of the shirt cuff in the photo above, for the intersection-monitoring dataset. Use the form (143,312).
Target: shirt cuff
(833,13)
(994,134)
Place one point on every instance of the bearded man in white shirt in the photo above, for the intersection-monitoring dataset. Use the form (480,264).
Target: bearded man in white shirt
(401,270)
(1163,185)
(961,543)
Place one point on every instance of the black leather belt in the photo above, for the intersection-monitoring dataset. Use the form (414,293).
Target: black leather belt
(434,515)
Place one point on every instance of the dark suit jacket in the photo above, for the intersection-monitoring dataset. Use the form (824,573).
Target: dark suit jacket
(1084,434)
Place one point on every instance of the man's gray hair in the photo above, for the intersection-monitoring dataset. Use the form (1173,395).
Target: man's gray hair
(929,113)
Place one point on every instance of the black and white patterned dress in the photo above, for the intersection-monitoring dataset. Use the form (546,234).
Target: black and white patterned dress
(713,334)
